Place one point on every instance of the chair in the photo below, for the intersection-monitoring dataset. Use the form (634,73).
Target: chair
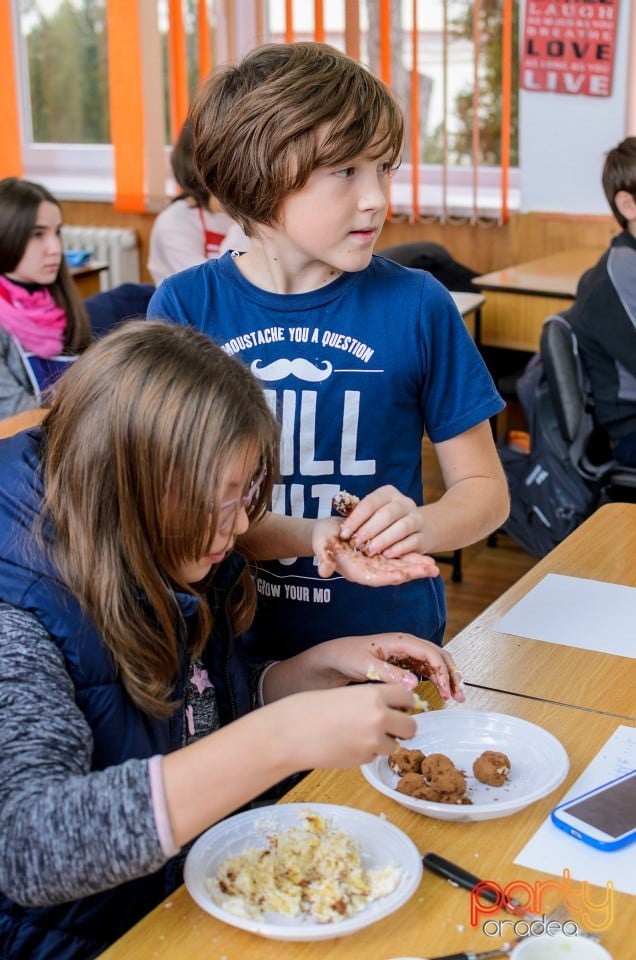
(568,471)
(589,446)
(108,309)
(426,255)
(21,421)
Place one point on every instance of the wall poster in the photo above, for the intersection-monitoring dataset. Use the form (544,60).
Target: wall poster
(568,46)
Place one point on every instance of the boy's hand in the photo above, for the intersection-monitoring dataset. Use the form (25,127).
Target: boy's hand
(385,520)
(354,561)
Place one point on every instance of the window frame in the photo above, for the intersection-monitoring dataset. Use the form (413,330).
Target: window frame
(72,171)
(80,171)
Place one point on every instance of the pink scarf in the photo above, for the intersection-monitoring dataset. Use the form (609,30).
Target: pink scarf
(33,318)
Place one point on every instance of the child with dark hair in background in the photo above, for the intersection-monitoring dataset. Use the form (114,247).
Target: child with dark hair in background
(127,720)
(193,228)
(43,324)
(359,356)
(603,315)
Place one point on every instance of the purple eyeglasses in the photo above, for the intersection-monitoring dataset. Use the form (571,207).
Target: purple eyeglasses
(229,507)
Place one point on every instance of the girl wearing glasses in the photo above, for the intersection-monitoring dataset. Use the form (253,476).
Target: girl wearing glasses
(127,720)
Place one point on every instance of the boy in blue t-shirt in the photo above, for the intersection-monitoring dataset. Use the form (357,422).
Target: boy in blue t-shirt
(358,356)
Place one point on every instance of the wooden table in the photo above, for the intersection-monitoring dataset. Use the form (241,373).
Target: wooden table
(521,297)
(86,278)
(21,421)
(436,919)
(602,548)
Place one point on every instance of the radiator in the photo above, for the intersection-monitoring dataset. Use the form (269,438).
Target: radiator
(116,246)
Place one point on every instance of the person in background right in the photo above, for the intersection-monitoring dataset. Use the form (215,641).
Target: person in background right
(604,312)
(193,228)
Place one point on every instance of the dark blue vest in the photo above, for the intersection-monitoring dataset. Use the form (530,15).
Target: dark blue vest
(82,929)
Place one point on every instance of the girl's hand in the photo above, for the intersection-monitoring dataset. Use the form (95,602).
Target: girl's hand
(341,727)
(386,520)
(396,658)
(391,658)
(358,565)
(346,726)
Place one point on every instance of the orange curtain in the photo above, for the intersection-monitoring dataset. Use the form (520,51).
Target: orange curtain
(203,25)
(289,21)
(319,21)
(10,142)
(126,104)
(385,40)
(178,68)
(352,28)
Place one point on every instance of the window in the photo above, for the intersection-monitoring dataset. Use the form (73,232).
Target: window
(444,62)
(67,94)
(62,58)
(443,58)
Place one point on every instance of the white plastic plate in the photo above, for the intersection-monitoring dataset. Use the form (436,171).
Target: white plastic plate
(538,762)
(381,844)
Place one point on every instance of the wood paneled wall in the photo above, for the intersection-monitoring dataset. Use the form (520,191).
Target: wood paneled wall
(484,248)
(525,237)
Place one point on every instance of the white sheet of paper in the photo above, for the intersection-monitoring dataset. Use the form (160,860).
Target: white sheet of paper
(553,851)
(588,614)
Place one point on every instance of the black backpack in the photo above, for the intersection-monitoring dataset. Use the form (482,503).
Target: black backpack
(555,486)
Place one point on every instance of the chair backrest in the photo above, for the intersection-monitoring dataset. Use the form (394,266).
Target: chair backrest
(571,397)
(21,421)
(407,253)
(426,255)
(570,394)
(111,307)
(564,374)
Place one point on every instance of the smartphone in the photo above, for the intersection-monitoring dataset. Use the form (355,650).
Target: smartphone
(604,817)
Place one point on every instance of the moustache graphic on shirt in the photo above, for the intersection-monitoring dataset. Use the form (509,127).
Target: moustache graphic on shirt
(298,367)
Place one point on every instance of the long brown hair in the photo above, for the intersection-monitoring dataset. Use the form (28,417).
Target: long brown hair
(141,433)
(19,204)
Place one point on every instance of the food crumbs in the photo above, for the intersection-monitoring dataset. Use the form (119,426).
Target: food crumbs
(313,870)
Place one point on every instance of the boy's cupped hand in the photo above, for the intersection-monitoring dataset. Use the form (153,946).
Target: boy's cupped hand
(351,560)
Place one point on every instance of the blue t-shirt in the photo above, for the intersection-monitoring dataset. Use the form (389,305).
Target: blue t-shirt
(356,372)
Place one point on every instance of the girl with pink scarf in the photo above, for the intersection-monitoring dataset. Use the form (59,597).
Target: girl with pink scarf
(43,325)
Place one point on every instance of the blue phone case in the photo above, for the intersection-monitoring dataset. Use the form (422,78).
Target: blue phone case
(608,845)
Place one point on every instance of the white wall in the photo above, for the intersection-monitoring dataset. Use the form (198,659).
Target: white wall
(563,138)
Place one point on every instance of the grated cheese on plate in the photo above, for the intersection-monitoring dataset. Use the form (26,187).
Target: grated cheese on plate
(312,870)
